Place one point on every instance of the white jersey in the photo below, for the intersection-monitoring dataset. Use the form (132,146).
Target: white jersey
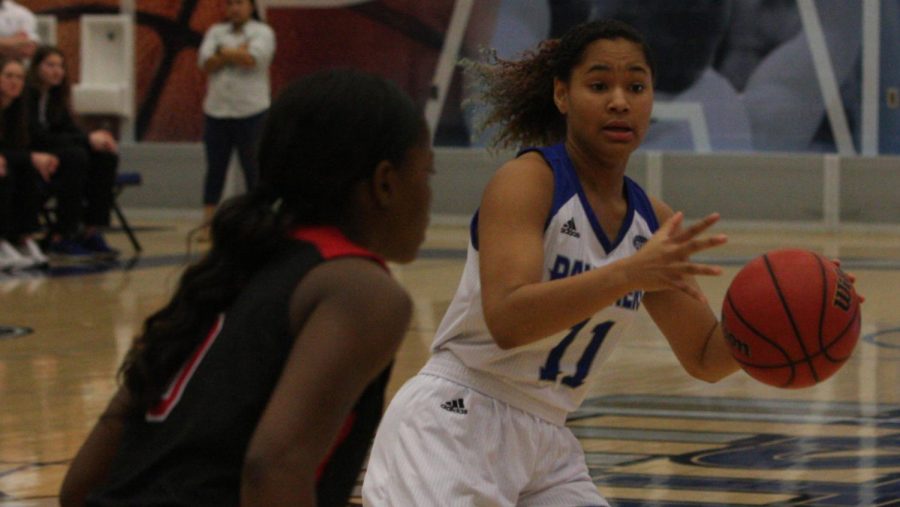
(549,377)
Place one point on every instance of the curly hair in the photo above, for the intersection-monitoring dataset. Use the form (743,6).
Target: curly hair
(518,94)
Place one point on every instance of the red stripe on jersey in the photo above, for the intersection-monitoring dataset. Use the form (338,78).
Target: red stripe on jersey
(332,243)
(173,394)
(342,435)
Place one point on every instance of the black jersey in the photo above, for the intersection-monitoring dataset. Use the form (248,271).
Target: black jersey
(189,449)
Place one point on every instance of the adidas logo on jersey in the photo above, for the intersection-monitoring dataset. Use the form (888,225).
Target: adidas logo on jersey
(455,406)
(569,228)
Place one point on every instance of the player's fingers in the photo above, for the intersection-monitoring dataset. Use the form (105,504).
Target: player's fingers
(703,269)
(699,244)
(698,227)
(692,268)
(672,224)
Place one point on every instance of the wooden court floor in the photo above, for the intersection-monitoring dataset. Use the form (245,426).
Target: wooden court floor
(652,435)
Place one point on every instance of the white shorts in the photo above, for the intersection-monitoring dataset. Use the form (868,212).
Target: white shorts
(443,444)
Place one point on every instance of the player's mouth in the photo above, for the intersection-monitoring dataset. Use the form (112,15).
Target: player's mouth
(619,131)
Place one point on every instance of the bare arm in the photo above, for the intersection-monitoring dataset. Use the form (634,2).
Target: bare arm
(92,463)
(209,55)
(690,326)
(511,222)
(239,56)
(214,63)
(18,45)
(229,56)
(354,317)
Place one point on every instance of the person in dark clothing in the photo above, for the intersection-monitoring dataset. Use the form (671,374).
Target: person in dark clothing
(84,188)
(261,382)
(20,172)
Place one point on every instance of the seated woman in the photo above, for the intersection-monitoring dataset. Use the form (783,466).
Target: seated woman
(20,170)
(93,156)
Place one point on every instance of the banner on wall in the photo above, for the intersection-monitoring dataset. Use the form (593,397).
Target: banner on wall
(733,75)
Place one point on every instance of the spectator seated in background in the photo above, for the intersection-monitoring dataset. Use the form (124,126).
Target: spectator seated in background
(20,171)
(95,155)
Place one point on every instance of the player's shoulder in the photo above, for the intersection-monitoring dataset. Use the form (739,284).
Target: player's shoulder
(530,166)
(357,285)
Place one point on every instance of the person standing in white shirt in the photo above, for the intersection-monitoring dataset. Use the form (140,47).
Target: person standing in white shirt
(18,30)
(236,55)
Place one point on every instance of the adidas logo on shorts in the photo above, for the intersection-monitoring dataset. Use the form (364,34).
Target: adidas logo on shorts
(455,406)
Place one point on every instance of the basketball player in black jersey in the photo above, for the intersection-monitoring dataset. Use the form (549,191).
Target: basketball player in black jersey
(261,382)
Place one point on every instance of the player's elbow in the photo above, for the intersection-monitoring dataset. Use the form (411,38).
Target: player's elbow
(507,333)
(703,372)
(261,467)
(504,342)
(255,470)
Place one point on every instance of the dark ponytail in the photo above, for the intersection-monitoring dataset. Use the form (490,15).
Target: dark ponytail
(323,135)
(246,233)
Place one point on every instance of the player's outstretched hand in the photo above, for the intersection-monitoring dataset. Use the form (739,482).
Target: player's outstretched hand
(663,263)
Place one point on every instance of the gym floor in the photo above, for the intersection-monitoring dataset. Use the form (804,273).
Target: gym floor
(653,436)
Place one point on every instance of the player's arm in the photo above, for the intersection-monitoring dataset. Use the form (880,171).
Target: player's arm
(353,316)
(92,463)
(519,307)
(689,325)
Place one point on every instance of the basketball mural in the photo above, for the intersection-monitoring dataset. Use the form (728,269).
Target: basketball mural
(736,94)
(399,39)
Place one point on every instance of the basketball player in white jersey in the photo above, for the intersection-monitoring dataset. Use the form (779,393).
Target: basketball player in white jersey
(564,249)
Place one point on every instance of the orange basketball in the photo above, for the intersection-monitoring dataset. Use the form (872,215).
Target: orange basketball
(792,318)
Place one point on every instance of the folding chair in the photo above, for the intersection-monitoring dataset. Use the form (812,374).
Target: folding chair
(123,180)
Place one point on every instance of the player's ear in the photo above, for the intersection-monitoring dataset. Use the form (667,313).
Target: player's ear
(384,183)
(561,95)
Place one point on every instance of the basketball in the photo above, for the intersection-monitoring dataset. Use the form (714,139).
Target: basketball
(791,318)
